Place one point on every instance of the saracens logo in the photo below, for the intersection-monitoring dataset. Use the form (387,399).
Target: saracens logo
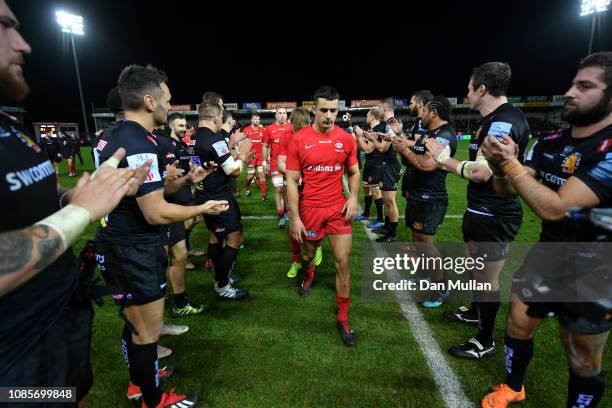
(339,147)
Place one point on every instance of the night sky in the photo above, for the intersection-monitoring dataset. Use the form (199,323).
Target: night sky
(268,51)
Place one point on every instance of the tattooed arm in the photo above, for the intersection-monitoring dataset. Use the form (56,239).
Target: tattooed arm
(25,252)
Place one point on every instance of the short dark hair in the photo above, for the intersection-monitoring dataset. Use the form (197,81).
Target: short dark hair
(136,81)
(255,113)
(441,105)
(208,110)
(423,96)
(227,115)
(113,100)
(602,60)
(174,116)
(495,76)
(212,97)
(326,92)
(390,102)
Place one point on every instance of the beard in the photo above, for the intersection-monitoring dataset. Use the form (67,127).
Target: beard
(160,116)
(13,87)
(580,117)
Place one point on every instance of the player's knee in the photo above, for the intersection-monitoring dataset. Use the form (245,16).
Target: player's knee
(342,265)
(583,365)
(517,326)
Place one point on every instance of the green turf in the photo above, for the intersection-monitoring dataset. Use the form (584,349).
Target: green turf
(277,349)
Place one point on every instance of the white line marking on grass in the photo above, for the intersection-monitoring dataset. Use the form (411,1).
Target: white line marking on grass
(448,384)
(275,217)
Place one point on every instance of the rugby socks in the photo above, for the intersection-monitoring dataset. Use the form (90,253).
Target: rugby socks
(187,242)
(263,187)
(308,272)
(215,257)
(343,308)
(488,305)
(229,260)
(379,209)
(518,357)
(295,250)
(585,391)
(180,299)
(392,229)
(367,200)
(247,184)
(281,213)
(126,347)
(144,360)
(387,222)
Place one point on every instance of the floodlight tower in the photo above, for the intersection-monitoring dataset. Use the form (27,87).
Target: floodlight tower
(73,25)
(593,8)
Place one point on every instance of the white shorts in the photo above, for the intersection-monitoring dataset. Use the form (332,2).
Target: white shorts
(278,180)
(251,169)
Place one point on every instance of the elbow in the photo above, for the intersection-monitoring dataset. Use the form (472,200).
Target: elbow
(551,214)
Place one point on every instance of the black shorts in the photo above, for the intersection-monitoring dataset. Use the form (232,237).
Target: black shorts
(56,159)
(556,267)
(60,359)
(424,217)
(388,176)
(489,236)
(370,175)
(225,223)
(173,233)
(136,275)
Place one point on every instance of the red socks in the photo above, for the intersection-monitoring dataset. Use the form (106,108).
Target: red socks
(262,187)
(295,250)
(343,307)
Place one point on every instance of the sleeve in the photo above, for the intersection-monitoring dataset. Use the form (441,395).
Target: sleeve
(220,151)
(352,153)
(533,156)
(293,155)
(598,178)
(155,179)
(448,138)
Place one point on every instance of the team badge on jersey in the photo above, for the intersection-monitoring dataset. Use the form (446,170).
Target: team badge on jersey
(570,163)
(101,145)
(605,145)
(339,147)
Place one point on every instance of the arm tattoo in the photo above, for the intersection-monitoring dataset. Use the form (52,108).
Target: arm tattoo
(48,248)
(15,251)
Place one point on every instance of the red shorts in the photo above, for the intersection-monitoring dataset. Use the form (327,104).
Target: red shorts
(256,161)
(320,221)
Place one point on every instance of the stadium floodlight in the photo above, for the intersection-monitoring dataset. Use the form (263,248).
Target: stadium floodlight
(593,8)
(70,23)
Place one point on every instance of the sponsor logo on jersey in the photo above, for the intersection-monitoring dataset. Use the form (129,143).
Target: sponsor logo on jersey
(24,178)
(219,229)
(170,155)
(567,150)
(553,136)
(329,169)
(311,234)
(101,145)
(221,148)
(605,145)
(570,163)
(136,160)
(552,178)
(548,156)
(474,146)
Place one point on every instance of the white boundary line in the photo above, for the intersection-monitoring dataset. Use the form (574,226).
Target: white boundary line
(448,384)
(275,217)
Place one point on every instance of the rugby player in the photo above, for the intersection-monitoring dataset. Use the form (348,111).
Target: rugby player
(255,132)
(129,248)
(210,146)
(273,137)
(371,190)
(318,155)
(299,119)
(490,222)
(575,169)
(39,223)
(428,201)
(417,102)
(174,234)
